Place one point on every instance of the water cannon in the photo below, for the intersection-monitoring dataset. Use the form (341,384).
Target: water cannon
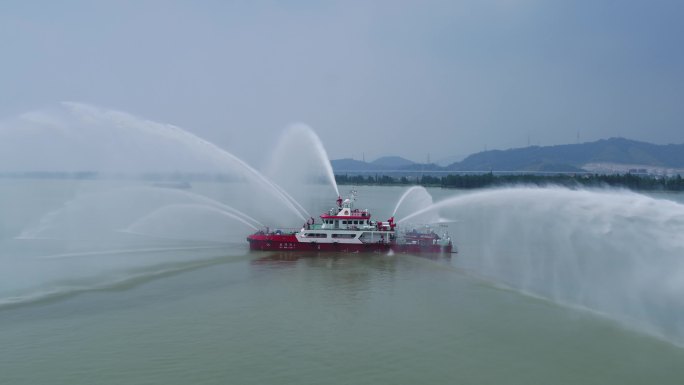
(339,201)
(388,225)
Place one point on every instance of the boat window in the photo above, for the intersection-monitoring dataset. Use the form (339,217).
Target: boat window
(316,235)
(348,236)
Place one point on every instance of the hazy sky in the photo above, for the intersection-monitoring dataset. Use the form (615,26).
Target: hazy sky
(374,77)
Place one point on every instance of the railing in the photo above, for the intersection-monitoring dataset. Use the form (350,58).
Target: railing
(278,230)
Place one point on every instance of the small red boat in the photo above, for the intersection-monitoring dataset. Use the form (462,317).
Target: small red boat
(346,229)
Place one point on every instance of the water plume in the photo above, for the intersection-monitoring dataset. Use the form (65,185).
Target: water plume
(614,252)
(100,214)
(198,222)
(76,137)
(300,165)
(414,199)
(81,233)
(247,219)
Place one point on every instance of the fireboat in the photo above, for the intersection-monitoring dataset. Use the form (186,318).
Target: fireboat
(344,228)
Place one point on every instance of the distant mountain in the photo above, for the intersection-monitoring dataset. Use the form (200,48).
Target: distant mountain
(424,167)
(561,158)
(384,163)
(349,164)
(572,157)
(392,162)
(449,160)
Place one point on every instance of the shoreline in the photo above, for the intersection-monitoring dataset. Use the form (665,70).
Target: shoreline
(469,181)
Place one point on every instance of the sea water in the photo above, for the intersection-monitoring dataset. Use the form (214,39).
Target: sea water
(98,303)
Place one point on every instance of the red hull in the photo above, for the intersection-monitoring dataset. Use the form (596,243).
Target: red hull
(277,242)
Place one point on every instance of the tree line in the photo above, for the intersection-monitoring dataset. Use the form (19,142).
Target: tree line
(474,181)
